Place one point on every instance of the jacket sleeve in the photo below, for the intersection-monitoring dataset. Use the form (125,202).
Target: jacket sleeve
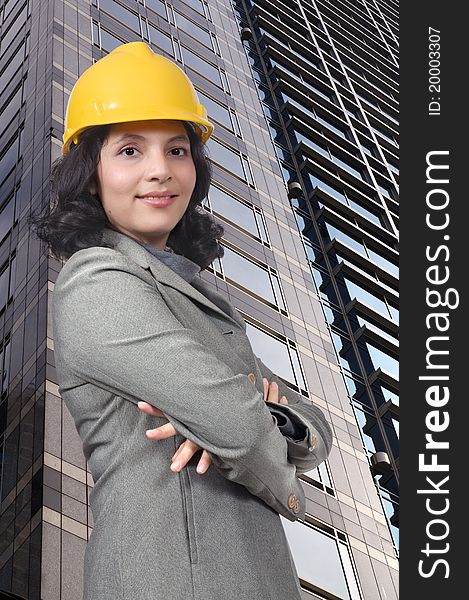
(113,329)
(288,427)
(316,445)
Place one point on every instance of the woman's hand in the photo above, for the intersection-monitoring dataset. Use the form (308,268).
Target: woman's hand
(185,451)
(271,392)
(188,448)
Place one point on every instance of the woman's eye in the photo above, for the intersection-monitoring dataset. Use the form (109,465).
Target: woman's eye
(128,148)
(179,151)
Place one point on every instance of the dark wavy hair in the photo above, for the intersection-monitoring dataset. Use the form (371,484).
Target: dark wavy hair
(75,218)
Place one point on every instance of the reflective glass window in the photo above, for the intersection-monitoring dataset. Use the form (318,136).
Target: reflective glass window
(250,276)
(369,430)
(372,327)
(348,167)
(330,126)
(384,135)
(10,109)
(196,5)
(390,506)
(158,7)
(4,286)
(274,353)
(321,474)
(235,211)
(211,72)
(12,67)
(161,40)
(202,35)
(364,212)
(6,366)
(109,41)
(11,34)
(385,191)
(367,298)
(321,148)
(121,13)
(6,218)
(383,262)
(226,158)
(383,360)
(326,571)
(216,111)
(320,183)
(8,160)
(349,241)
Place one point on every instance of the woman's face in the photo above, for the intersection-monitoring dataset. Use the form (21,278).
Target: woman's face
(145,157)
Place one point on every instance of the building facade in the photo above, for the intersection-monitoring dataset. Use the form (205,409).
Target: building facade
(303,95)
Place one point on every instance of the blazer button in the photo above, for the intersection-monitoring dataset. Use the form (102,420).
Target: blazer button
(296,508)
(292,500)
(252,378)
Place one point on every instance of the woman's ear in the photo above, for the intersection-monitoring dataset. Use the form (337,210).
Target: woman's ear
(92,188)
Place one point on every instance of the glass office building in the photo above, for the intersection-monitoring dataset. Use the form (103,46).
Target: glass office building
(303,95)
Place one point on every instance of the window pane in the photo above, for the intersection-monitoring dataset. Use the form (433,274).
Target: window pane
(17,24)
(248,274)
(233,210)
(4,285)
(13,66)
(196,5)
(6,366)
(158,7)
(202,66)
(345,165)
(382,262)
(226,158)
(321,184)
(345,239)
(371,300)
(8,160)
(10,110)
(6,218)
(363,211)
(194,30)
(216,111)
(383,361)
(330,126)
(322,149)
(272,352)
(109,41)
(161,40)
(316,558)
(349,574)
(121,14)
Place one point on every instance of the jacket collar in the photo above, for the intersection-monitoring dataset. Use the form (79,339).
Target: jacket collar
(162,273)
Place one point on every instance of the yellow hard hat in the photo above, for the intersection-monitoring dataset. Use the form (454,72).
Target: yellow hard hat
(132,83)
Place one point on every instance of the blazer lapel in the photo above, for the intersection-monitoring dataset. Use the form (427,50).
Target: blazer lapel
(131,248)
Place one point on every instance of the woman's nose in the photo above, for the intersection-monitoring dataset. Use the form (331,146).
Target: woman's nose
(158,168)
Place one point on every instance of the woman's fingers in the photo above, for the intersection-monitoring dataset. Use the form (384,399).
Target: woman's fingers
(161,433)
(149,409)
(271,392)
(183,455)
(204,462)
(185,452)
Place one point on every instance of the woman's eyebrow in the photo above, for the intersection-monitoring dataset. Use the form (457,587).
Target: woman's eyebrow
(135,136)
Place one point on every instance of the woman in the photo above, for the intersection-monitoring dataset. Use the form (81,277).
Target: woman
(135,326)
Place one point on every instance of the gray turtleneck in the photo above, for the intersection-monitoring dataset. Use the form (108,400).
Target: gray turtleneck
(188,269)
(181,265)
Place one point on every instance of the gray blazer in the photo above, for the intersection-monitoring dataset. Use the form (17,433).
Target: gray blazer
(128,328)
